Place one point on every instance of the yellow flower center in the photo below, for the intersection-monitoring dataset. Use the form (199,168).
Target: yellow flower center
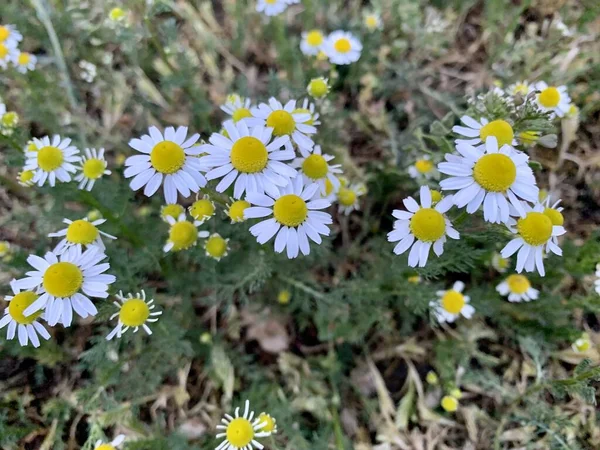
(241,113)
(284,297)
(305,111)
(134,312)
(239,432)
(282,122)
(216,246)
(290,210)
(315,167)
(502,263)
(202,209)
(4,248)
(318,87)
(518,284)
(520,89)
(427,225)
(62,279)
(414,279)
(249,155)
(4,33)
(549,97)
(582,345)
(50,158)
(314,38)
(82,232)
(167,157)
(3,51)
(529,137)
(495,172)
(26,176)
(183,235)
(424,165)
(371,21)
(342,45)
(31,147)
(328,187)
(236,210)
(94,168)
(346,196)
(233,98)
(270,422)
(10,119)
(105,447)
(535,228)
(116,14)
(19,303)
(436,196)
(500,129)
(171,210)
(453,301)
(23,58)
(555,216)
(449,403)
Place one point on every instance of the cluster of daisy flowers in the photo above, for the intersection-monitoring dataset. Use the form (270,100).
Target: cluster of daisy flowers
(10,54)
(339,47)
(553,99)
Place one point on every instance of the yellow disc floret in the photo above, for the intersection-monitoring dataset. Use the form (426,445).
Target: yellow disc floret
(173,210)
(82,232)
(94,168)
(167,157)
(535,228)
(346,197)
(105,447)
(3,50)
(529,137)
(216,246)
(62,279)
(23,59)
(50,158)
(436,196)
(305,111)
(290,210)
(314,38)
(549,97)
(315,167)
(500,129)
(183,235)
(424,165)
(555,216)
(428,225)
(202,209)
(134,312)
(342,45)
(270,422)
(249,155)
(284,296)
(318,87)
(19,303)
(241,113)
(520,88)
(26,176)
(236,210)
(10,119)
(282,122)
(495,172)
(449,403)
(239,432)
(116,14)
(4,33)
(518,284)
(453,301)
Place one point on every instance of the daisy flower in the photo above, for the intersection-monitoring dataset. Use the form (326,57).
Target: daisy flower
(423,168)
(311,42)
(373,22)
(61,280)
(552,98)
(499,263)
(23,61)
(449,403)
(25,178)
(294,220)
(134,312)
(117,15)
(248,157)
(308,108)
(270,421)
(348,196)
(315,168)
(165,160)
(582,344)
(202,209)
(478,132)
(517,288)
(183,234)
(271,7)
(451,304)
(318,87)
(52,160)
(240,431)
(490,177)
(520,87)
(216,247)
(93,166)
(237,107)
(80,233)
(341,47)
(422,227)
(116,442)
(9,35)
(285,122)
(236,209)
(7,50)
(173,210)
(535,236)
(26,327)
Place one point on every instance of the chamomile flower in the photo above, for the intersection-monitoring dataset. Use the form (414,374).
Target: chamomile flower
(535,235)
(432,378)
(285,122)
(517,288)
(166,160)
(295,220)
(499,263)
(311,42)
(552,98)
(315,168)
(240,432)
(270,421)
(216,247)
(52,160)
(7,50)
(341,47)
(422,227)
(9,35)
(490,177)
(308,108)
(134,312)
(80,233)
(479,131)
(520,87)
(373,22)
(348,196)
(8,120)
(93,166)
(26,327)
(202,209)
(449,403)
(116,442)
(318,87)
(236,209)
(117,15)
(183,234)
(582,344)
(25,178)
(249,157)
(423,168)
(271,7)
(23,61)
(237,107)
(451,304)
(173,210)
(65,282)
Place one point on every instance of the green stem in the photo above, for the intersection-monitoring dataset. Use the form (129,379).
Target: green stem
(303,287)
